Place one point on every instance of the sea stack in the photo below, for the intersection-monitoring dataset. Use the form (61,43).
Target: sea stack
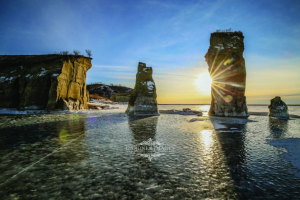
(278,108)
(38,82)
(142,99)
(228,72)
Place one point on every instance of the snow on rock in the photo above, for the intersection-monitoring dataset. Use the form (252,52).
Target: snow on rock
(43,72)
(2,78)
(150,85)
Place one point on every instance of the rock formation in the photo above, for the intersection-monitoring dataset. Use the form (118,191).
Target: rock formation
(107,91)
(44,81)
(121,97)
(228,73)
(143,97)
(278,108)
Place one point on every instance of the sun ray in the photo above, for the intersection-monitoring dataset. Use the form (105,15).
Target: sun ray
(231,74)
(214,62)
(225,89)
(212,75)
(229,83)
(221,72)
(214,97)
(221,95)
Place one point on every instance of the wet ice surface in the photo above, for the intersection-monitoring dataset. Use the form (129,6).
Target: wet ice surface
(91,156)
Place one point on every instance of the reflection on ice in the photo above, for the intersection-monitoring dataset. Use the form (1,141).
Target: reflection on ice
(85,156)
(206,136)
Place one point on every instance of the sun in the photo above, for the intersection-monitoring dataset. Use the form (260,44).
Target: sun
(203,83)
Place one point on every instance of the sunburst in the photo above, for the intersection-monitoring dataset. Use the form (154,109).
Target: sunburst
(218,87)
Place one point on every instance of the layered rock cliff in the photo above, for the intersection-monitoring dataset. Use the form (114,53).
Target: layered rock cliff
(142,100)
(44,81)
(227,69)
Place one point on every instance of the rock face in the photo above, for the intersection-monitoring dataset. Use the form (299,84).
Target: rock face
(228,73)
(121,97)
(106,91)
(278,108)
(44,81)
(143,97)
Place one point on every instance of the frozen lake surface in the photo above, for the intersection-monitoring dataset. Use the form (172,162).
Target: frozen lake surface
(109,155)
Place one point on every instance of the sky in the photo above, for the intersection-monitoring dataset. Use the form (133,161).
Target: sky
(171,36)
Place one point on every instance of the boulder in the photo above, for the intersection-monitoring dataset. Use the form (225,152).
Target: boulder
(142,99)
(228,72)
(44,81)
(278,108)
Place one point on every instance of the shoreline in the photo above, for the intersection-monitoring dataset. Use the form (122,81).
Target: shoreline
(120,108)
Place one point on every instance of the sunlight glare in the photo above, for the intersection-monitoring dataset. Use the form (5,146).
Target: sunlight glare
(203,83)
(206,137)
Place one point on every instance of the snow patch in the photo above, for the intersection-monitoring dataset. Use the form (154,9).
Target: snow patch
(280,107)
(218,126)
(2,79)
(219,47)
(55,74)
(150,86)
(293,154)
(9,79)
(43,72)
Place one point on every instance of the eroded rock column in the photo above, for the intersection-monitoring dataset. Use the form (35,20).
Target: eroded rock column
(142,100)
(278,108)
(228,72)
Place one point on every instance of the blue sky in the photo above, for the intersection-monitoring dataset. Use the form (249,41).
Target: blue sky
(171,36)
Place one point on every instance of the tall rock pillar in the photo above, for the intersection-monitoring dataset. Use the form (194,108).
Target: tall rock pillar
(228,72)
(142,100)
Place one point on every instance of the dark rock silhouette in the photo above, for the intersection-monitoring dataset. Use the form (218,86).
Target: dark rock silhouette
(227,69)
(143,97)
(278,108)
(44,81)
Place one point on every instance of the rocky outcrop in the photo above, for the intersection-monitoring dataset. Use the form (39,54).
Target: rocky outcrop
(97,97)
(143,97)
(228,72)
(107,91)
(278,108)
(44,81)
(121,97)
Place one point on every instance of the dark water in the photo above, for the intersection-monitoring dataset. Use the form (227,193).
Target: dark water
(100,156)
